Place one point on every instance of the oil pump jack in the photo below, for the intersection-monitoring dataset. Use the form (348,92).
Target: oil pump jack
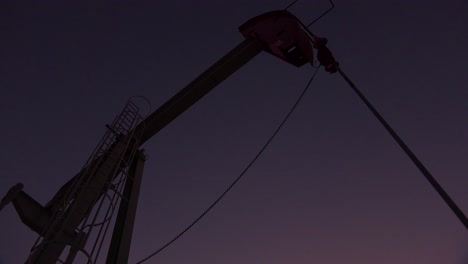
(113,172)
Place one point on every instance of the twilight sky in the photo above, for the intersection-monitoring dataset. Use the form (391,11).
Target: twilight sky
(332,188)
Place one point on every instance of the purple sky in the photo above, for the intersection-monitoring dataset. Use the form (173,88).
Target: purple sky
(332,188)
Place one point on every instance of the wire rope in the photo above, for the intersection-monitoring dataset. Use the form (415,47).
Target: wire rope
(259,153)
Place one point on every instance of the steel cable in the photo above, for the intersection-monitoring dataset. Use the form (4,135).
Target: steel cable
(259,153)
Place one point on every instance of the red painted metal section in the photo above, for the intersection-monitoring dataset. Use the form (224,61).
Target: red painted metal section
(281,35)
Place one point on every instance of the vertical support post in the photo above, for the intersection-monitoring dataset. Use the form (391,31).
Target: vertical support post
(123,229)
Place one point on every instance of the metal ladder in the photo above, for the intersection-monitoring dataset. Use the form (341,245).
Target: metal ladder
(88,204)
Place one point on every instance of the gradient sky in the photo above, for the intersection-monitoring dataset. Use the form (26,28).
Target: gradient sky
(332,188)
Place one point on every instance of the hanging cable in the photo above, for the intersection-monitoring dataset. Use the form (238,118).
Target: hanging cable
(291,4)
(259,153)
(322,15)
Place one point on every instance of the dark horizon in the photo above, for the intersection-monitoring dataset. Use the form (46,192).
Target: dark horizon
(332,187)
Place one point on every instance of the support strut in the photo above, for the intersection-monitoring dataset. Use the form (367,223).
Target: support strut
(456,210)
(119,248)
